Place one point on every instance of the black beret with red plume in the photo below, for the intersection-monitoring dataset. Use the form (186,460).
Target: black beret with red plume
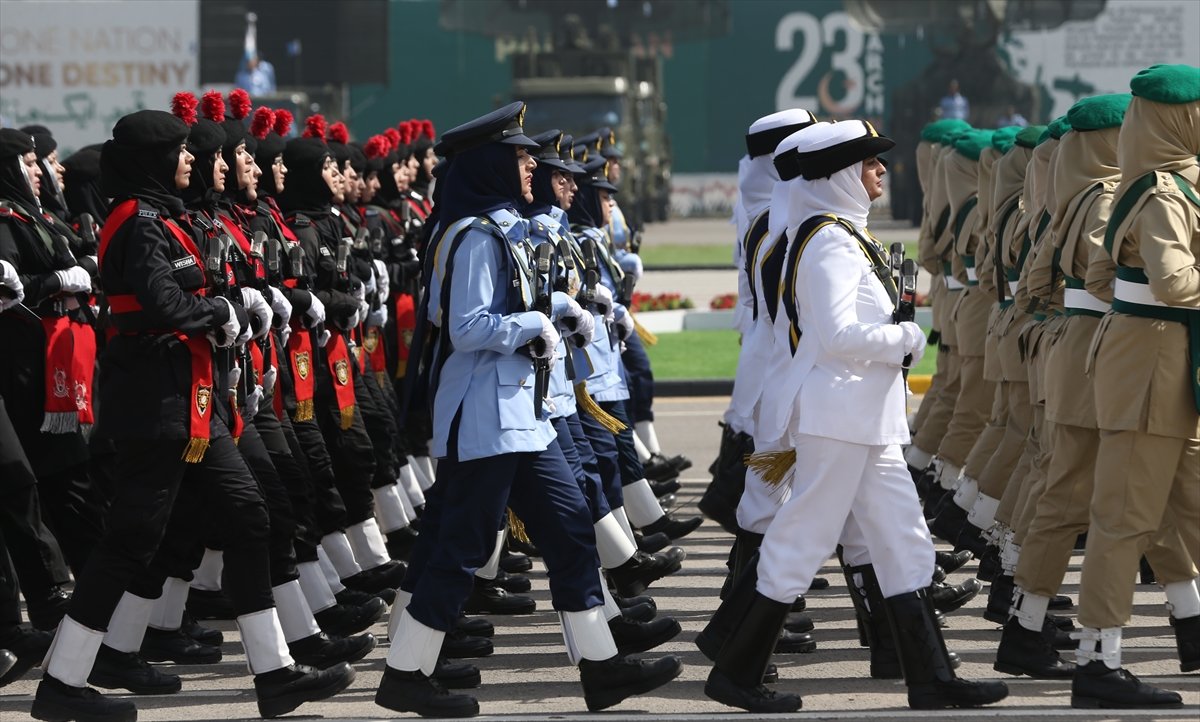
(183,106)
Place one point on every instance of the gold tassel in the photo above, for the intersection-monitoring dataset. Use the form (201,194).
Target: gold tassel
(591,408)
(193,453)
(516,527)
(304,410)
(645,334)
(347,417)
(775,467)
(401,368)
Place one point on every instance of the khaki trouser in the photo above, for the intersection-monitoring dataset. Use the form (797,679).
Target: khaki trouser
(936,384)
(1035,479)
(1138,475)
(930,432)
(993,480)
(971,411)
(989,440)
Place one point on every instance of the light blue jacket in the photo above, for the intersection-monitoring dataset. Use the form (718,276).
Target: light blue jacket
(545,228)
(602,358)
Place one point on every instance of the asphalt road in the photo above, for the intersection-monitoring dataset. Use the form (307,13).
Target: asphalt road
(529,676)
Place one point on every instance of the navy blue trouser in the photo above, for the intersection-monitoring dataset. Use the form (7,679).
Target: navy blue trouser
(582,460)
(463,510)
(604,449)
(640,379)
(628,462)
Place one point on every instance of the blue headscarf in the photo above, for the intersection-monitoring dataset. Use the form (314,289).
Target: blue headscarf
(585,209)
(479,181)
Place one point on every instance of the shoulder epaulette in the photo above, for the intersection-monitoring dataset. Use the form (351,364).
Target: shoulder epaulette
(199,220)
(302,221)
(369,212)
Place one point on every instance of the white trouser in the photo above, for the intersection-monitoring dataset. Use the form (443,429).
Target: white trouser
(833,480)
(761,501)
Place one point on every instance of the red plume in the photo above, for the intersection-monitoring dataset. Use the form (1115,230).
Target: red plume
(283,122)
(406,132)
(427,129)
(338,133)
(377,147)
(261,124)
(213,106)
(393,137)
(239,103)
(183,105)
(314,127)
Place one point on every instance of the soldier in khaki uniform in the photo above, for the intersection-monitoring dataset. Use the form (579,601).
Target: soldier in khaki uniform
(1147,391)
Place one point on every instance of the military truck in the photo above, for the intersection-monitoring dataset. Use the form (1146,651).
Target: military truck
(579,91)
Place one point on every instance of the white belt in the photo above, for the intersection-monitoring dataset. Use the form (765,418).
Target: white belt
(953,284)
(1079,298)
(1139,293)
(1012,287)
(971,275)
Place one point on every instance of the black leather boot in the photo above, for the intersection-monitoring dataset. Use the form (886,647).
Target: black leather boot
(457,645)
(172,645)
(487,598)
(608,682)
(512,583)
(1024,652)
(950,597)
(659,469)
(475,626)
(951,562)
(29,646)
(745,553)
(674,528)
(1095,686)
(126,670)
(322,651)
(56,701)
(414,692)
(1000,598)
(283,690)
(342,620)
(631,602)
(721,498)
(633,637)
(515,563)
(989,564)
(728,615)
(640,571)
(651,543)
(638,613)
(799,623)
(205,604)
(928,673)
(736,678)
(948,524)
(385,576)
(8,660)
(1187,643)
(875,632)
(45,611)
(970,539)
(457,675)
(203,635)
(795,643)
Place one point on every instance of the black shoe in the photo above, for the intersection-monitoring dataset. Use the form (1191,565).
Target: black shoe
(1095,686)
(1187,643)
(1000,598)
(771,676)
(757,699)
(798,623)
(948,524)
(355,598)
(523,547)
(638,613)
(343,620)
(414,692)
(658,468)
(58,702)
(283,690)
(29,646)
(818,583)
(172,645)
(516,563)
(950,597)
(457,675)
(1146,572)
(8,660)
(385,576)
(721,512)
(630,602)
(663,489)
(322,651)
(1062,622)
(792,643)
(1060,601)
(400,543)
(514,583)
(989,564)
(970,539)
(202,634)
(1024,652)
(609,682)
(951,562)
(679,462)
(457,645)
(204,604)
(939,574)
(640,571)
(126,670)
(474,626)
(800,604)
(651,543)
(46,611)
(926,482)
(634,637)
(674,528)
(486,598)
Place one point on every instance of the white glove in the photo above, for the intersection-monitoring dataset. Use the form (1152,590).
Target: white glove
(359,291)
(378,317)
(285,333)
(585,330)
(382,282)
(12,282)
(369,284)
(258,310)
(282,308)
(234,377)
(914,342)
(225,336)
(315,312)
(355,319)
(624,326)
(364,308)
(268,380)
(323,338)
(549,340)
(604,302)
(251,402)
(74,280)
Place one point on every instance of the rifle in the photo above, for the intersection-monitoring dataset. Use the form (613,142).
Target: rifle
(87,231)
(906,293)
(562,282)
(627,284)
(591,279)
(542,289)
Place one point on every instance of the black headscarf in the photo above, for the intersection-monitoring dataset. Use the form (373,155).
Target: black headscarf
(585,209)
(543,191)
(204,141)
(479,181)
(420,149)
(51,193)
(306,189)
(82,181)
(141,159)
(14,183)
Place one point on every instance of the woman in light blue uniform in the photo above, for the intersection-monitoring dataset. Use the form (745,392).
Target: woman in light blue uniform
(495,444)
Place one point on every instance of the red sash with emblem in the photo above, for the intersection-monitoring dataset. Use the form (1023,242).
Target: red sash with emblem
(299,349)
(373,345)
(337,355)
(61,415)
(406,324)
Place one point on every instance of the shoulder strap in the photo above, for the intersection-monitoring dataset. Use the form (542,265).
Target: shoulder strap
(1186,189)
(770,270)
(1124,206)
(787,285)
(960,218)
(752,241)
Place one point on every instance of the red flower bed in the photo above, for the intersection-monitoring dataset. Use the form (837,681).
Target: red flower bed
(660,302)
(723,302)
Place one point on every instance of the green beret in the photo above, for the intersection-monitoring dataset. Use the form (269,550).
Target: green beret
(1058,127)
(1029,137)
(1099,112)
(937,131)
(1172,84)
(971,143)
(1004,138)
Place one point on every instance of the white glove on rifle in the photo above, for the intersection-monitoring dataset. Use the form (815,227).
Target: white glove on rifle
(259,311)
(585,329)
(75,279)
(228,332)
(624,326)
(549,339)
(914,338)
(604,302)
(10,281)
(251,403)
(378,317)
(323,337)
(233,378)
(382,282)
(315,312)
(281,307)
(269,376)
